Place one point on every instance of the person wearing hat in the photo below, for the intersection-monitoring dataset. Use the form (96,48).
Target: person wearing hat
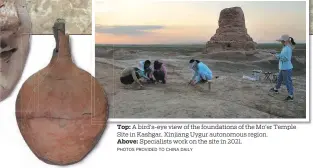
(285,66)
(201,72)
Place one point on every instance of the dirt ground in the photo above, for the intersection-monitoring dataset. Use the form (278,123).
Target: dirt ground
(231,96)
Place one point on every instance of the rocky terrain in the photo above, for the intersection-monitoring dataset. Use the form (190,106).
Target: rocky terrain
(77,14)
(231,95)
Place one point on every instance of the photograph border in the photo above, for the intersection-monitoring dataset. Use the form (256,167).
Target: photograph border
(224,120)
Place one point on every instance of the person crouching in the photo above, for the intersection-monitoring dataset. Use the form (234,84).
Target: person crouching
(147,70)
(131,75)
(202,72)
(160,73)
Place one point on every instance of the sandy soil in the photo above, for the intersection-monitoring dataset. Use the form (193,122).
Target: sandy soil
(231,95)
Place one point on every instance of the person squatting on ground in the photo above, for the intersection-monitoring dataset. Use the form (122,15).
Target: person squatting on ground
(202,72)
(285,66)
(145,67)
(131,75)
(160,72)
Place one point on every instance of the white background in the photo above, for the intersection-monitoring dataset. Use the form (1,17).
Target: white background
(282,149)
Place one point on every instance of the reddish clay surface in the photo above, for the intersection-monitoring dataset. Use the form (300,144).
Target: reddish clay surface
(61,110)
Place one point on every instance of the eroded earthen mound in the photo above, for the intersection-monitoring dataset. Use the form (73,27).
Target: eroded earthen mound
(231,33)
